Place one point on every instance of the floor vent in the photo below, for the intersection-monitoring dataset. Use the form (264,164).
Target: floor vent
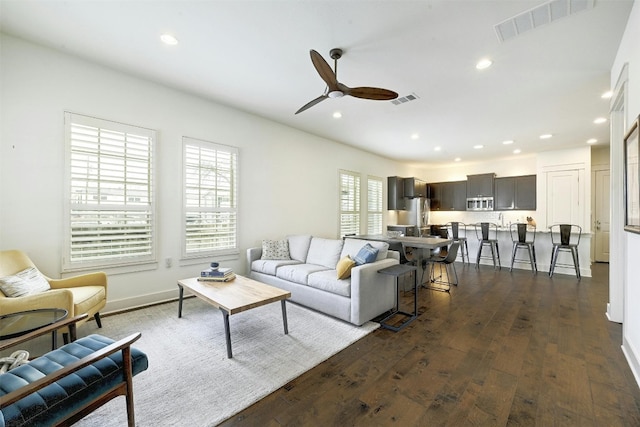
(541,15)
(404,99)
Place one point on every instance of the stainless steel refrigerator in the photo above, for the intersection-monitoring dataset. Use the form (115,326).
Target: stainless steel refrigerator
(417,214)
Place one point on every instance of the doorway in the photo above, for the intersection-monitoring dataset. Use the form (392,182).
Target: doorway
(602,215)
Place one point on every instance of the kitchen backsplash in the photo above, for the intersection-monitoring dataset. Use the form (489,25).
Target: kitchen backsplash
(502,218)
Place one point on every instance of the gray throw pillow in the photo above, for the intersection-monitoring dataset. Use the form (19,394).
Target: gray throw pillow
(27,282)
(275,249)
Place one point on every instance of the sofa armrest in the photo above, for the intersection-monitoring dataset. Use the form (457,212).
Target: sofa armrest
(371,293)
(124,344)
(252,255)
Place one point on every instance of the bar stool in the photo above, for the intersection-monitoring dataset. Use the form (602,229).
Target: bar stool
(520,232)
(569,241)
(447,260)
(454,234)
(487,234)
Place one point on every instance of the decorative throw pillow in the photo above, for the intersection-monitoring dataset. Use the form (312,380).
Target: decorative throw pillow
(344,267)
(275,249)
(366,254)
(27,282)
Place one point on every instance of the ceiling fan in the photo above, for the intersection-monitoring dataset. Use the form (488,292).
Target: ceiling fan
(335,89)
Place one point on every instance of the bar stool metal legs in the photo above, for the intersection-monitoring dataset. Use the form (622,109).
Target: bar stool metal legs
(569,240)
(487,234)
(523,236)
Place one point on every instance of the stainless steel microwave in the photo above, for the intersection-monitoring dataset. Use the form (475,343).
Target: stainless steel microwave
(480,203)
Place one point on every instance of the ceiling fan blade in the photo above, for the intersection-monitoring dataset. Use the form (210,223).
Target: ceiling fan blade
(312,103)
(325,71)
(374,93)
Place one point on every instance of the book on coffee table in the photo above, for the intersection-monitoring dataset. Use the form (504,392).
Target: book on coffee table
(226,278)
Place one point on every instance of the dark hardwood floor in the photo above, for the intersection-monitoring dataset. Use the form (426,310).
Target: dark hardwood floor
(501,349)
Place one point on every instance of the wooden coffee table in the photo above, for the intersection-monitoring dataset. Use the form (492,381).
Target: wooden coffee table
(233,297)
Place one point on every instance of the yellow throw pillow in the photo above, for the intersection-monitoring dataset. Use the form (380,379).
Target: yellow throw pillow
(344,267)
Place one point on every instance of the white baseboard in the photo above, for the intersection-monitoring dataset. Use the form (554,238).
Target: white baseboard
(114,306)
(631,355)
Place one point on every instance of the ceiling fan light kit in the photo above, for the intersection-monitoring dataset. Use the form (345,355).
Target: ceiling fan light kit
(335,89)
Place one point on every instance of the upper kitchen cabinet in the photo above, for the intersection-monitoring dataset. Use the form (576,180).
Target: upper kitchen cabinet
(413,187)
(480,185)
(395,193)
(515,193)
(449,196)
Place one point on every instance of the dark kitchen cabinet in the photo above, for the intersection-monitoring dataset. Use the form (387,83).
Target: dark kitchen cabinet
(448,196)
(435,195)
(526,193)
(395,193)
(414,187)
(480,185)
(515,193)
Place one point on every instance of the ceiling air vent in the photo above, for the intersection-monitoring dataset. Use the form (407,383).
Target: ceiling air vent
(541,15)
(404,99)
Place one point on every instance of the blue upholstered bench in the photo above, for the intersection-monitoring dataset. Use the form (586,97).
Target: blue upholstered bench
(66,384)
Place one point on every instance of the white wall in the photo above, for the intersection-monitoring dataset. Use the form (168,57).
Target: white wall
(287,183)
(625,246)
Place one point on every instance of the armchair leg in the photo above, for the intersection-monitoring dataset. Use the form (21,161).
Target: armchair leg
(98,321)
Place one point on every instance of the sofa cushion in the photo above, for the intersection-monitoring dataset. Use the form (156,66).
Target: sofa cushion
(344,266)
(325,252)
(26,282)
(270,266)
(366,255)
(299,247)
(326,281)
(275,249)
(299,273)
(351,247)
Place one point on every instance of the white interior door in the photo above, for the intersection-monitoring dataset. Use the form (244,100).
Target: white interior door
(563,197)
(602,216)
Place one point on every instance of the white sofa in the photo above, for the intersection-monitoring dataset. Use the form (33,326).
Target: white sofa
(311,277)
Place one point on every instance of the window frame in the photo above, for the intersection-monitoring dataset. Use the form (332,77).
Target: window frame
(216,147)
(106,125)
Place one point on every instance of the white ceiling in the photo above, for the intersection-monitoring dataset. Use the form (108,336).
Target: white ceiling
(254,56)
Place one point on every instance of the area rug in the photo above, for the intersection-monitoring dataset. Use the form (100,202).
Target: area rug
(190,380)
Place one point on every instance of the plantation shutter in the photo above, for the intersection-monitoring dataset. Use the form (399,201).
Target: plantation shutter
(374,205)
(210,199)
(349,203)
(110,193)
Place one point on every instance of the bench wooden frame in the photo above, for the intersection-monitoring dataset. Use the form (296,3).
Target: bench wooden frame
(125,388)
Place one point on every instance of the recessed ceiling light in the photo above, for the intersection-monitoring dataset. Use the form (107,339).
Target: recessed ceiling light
(337,115)
(477,147)
(457,159)
(517,151)
(437,148)
(608,94)
(600,120)
(546,136)
(169,39)
(484,63)
(507,142)
(592,141)
(415,136)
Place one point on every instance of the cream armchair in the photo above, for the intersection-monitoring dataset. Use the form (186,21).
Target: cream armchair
(86,293)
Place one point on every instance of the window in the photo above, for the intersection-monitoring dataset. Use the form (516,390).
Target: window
(374,205)
(349,203)
(210,198)
(110,208)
